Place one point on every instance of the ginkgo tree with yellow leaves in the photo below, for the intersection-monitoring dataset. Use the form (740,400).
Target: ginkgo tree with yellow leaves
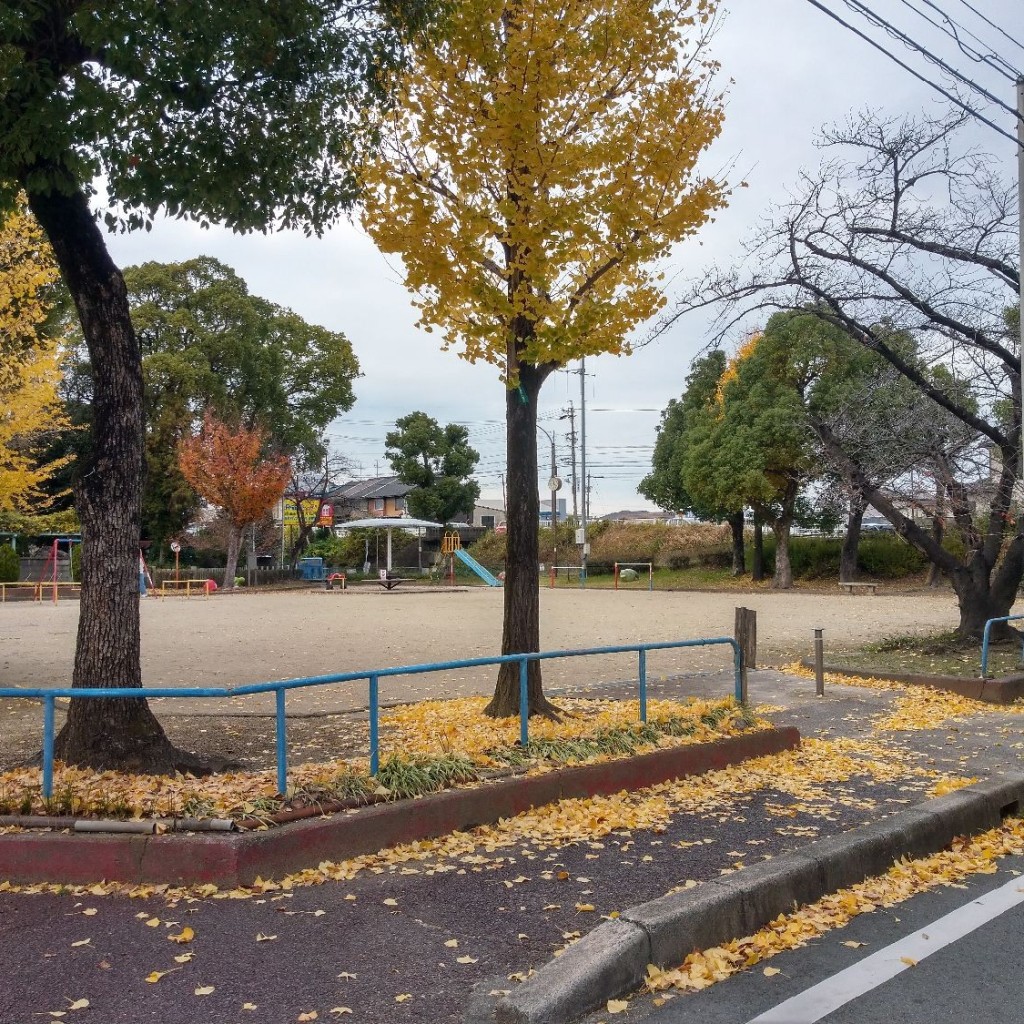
(541,161)
(30,371)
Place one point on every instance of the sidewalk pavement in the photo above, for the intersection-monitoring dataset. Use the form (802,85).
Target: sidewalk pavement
(420,938)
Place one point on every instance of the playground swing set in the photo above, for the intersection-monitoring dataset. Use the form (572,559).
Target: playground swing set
(49,576)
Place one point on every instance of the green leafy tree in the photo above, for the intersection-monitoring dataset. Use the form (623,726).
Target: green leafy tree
(754,443)
(207,343)
(246,113)
(665,484)
(543,162)
(438,462)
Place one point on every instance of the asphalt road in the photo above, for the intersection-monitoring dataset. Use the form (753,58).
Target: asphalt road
(965,957)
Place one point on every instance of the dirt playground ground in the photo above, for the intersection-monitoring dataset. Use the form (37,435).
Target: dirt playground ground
(257,637)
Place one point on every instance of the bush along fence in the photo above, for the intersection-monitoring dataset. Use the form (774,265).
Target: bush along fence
(372,680)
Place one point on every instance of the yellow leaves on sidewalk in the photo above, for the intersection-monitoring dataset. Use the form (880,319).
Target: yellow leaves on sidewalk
(427,729)
(917,707)
(905,879)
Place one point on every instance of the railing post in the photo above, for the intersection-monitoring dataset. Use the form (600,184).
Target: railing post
(643,684)
(48,703)
(524,702)
(282,745)
(984,648)
(819,662)
(746,638)
(374,725)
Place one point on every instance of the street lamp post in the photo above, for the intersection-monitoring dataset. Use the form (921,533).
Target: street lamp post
(554,483)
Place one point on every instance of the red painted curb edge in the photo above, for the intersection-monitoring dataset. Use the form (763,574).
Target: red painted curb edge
(993,691)
(237,859)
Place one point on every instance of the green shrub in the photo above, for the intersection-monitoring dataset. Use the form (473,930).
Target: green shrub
(889,557)
(10,567)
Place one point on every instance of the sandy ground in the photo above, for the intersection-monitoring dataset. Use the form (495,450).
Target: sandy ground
(247,637)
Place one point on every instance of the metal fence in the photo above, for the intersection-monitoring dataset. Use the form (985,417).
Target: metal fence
(986,637)
(372,679)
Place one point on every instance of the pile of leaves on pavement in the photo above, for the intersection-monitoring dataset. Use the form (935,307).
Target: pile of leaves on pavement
(429,746)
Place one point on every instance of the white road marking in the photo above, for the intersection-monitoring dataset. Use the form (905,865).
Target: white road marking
(820,1000)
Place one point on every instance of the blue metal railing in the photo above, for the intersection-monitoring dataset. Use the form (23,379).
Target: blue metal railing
(372,678)
(985,641)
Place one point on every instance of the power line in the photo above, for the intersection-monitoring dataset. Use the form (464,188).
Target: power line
(992,24)
(954,30)
(951,97)
(912,44)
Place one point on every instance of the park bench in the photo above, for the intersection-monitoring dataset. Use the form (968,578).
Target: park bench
(852,588)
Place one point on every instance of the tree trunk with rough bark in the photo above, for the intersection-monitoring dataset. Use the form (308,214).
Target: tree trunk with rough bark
(521,629)
(782,579)
(757,571)
(123,732)
(739,554)
(231,565)
(851,540)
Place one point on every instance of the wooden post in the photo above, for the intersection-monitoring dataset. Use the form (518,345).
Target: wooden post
(746,637)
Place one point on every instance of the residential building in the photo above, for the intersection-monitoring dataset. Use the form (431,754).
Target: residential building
(381,496)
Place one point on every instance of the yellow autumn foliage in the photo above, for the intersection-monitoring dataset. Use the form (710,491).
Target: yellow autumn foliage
(30,370)
(541,160)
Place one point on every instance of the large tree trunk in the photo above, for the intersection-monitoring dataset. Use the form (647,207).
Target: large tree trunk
(783,577)
(851,541)
(521,628)
(234,546)
(739,554)
(981,600)
(124,732)
(757,570)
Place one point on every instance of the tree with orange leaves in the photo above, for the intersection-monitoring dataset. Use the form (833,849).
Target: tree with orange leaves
(229,468)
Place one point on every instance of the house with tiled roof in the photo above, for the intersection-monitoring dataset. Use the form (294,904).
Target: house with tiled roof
(380,496)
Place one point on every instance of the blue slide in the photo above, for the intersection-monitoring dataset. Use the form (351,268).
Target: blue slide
(468,560)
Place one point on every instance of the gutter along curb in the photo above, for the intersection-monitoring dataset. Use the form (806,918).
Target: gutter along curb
(237,859)
(612,959)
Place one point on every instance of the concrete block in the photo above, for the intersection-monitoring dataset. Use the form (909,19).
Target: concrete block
(850,857)
(610,960)
(773,887)
(681,922)
(1005,793)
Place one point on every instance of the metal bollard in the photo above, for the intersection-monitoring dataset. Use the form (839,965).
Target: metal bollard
(819,662)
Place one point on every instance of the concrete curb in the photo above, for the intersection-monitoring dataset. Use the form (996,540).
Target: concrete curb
(1004,690)
(234,859)
(612,959)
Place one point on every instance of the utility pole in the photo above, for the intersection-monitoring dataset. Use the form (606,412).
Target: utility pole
(1020,222)
(570,415)
(583,469)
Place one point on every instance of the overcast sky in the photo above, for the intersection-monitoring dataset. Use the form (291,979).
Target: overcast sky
(793,70)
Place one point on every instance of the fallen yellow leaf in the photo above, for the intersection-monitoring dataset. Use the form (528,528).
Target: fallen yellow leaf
(617,1005)
(310,1015)
(853,944)
(584,907)
(185,935)
(154,976)
(908,960)
(339,1010)
(79,1004)
(404,998)
(466,959)
(153,922)
(389,902)
(770,972)
(249,1006)
(452,943)
(265,938)
(204,990)
(184,958)
(82,942)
